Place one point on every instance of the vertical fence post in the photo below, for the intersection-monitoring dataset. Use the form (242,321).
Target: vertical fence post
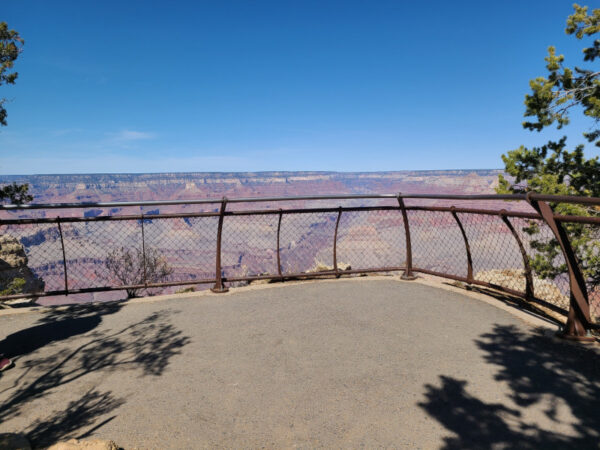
(335,235)
(407,275)
(529,292)
(219,287)
(578,318)
(62,245)
(279,245)
(467,246)
(144,251)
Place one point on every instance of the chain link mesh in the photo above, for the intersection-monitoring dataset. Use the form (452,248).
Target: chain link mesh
(88,246)
(554,291)
(494,251)
(306,241)
(371,239)
(249,245)
(187,244)
(437,243)
(594,286)
(41,243)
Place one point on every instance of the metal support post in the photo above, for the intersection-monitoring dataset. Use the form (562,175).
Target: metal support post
(578,319)
(408,274)
(219,287)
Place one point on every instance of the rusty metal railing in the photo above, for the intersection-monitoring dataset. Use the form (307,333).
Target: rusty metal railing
(478,246)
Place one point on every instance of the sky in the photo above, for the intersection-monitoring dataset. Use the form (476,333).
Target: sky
(162,86)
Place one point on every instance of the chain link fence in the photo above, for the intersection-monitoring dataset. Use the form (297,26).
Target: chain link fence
(87,257)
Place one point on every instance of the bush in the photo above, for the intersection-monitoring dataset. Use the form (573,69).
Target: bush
(132,267)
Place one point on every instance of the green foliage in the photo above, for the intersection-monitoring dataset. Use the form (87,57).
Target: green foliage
(15,286)
(11,45)
(131,267)
(552,97)
(552,168)
(16,193)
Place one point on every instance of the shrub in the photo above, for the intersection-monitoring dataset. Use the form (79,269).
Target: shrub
(132,267)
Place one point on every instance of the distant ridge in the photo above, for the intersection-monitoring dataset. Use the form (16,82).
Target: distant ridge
(87,176)
(195,185)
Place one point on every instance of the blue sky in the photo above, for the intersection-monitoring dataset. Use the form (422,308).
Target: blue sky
(154,86)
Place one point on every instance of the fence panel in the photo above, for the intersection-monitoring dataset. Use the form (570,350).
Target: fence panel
(495,252)
(307,241)
(41,243)
(371,239)
(249,245)
(187,244)
(90,245)
(437,243)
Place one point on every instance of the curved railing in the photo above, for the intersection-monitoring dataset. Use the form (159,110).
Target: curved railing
(230,241)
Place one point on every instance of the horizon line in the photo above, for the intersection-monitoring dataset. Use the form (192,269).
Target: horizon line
(341,172)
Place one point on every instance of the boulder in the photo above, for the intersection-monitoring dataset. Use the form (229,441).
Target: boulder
(13,265)
(321,267)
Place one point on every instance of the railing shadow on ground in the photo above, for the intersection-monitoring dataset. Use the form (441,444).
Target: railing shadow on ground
(145,347)
(539,371)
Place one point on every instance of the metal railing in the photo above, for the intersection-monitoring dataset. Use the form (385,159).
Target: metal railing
(220,246)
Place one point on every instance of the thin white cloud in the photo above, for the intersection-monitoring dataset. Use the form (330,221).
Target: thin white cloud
(131,135)
(111,163)
(65,131)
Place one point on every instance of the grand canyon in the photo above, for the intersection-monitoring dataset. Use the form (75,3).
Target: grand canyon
(180,186)
(365,239)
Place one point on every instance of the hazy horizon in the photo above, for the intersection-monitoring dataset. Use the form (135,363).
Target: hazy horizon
(7,175)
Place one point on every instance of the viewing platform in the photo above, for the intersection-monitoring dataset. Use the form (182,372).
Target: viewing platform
(367,361)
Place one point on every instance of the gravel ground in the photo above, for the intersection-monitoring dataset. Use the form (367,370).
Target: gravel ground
(372,363)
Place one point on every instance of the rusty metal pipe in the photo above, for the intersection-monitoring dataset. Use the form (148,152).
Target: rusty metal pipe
(62,246)
(407,275)
(144,251)
(278,243)
(335,235)
(529,291)
(219,287)
(467,247)
(578,319)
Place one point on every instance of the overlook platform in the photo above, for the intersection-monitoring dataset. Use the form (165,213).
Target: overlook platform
(342,363)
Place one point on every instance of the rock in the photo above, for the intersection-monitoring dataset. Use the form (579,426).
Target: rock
(14,441)
(344,266)
(92,444)
(321,267)
(13,265)
(266,280)
(515,279)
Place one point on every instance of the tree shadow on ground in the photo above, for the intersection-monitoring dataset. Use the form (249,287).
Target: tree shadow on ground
(540,371)
(145,347)
(57,324)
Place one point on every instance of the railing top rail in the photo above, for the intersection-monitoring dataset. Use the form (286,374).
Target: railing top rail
(85,205)
(564,199)
(514,197)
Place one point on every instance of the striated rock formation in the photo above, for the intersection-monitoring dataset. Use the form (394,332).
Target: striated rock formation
(193,185)
(13,265)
